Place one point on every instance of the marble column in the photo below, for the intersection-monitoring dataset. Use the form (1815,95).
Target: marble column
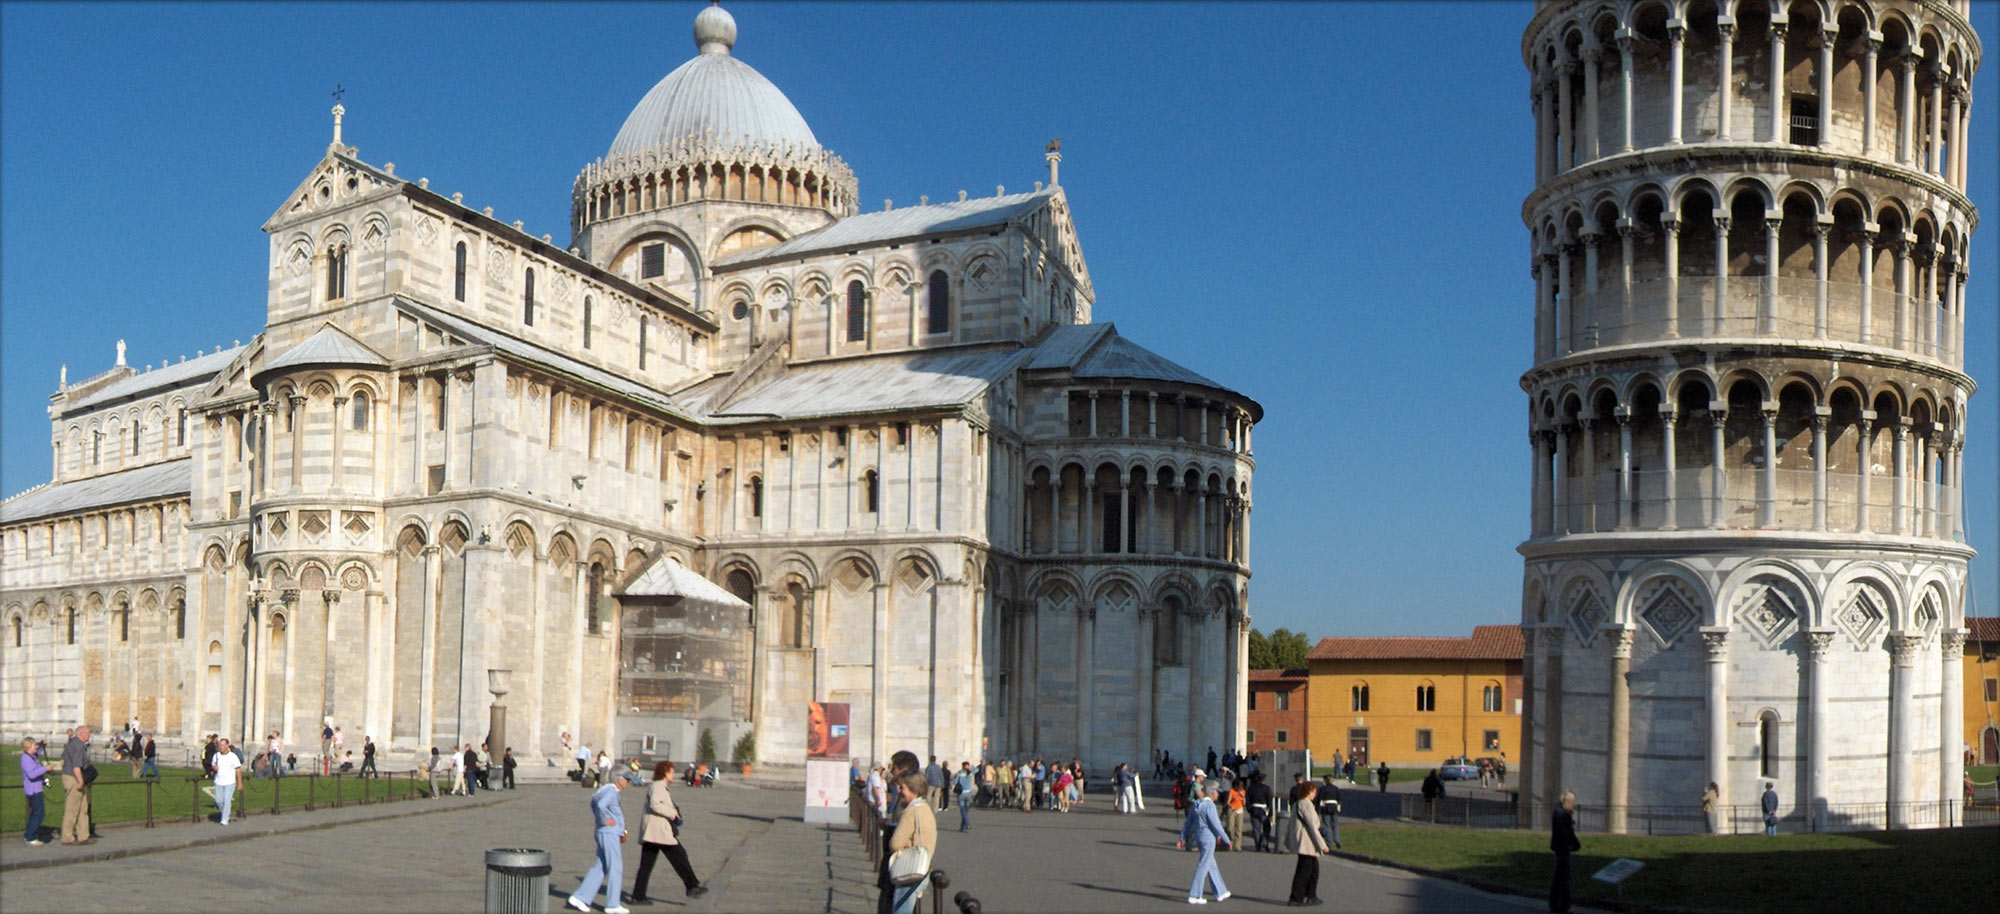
(1777,78)
(1526,765)
(1715,638)
(1821,415)
(1725,92)
(1866,240)
(1142,681)
(1827,39)
(1903,649)
(1767,304)
(1676,38)
(1619,760)
(1624,40)
(1821,285)
(1951,748)
(1899,476)
(1624,417)
(1556,637)
(1870,70)
(1670,491)
(1767,475)
(1819,741)
(878,670)
(1565,117)
(426,682)
(1719,307)
(1591,56)
(1861,481)
(1906,110)
(1719,478)
(1086,683)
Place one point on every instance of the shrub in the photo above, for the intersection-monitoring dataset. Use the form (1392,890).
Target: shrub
(746,749)
(704,749)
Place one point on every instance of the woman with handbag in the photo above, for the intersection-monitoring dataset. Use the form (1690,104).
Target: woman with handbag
(661,835)
(912,846)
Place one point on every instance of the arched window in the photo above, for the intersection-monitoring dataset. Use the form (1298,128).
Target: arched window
(1490,698)
(857,312)
(586,322)
(528,298)
(757,496)
(643,321)
(939,318)
(870,480)
(798,617)
(336,272)
(458,275)
(180,620)
(17,631)
(69,634)
(360,411)
(595,584)
(1767,744)
(125,624)
(1427,698)
(135,437)
(1358,697)
(181,434)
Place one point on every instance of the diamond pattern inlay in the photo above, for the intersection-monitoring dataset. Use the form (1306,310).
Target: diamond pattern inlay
(1669,612)
(1861,618)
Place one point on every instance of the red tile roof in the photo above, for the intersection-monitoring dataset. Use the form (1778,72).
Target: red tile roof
(1488,642)
(1984,628)
(1269,675)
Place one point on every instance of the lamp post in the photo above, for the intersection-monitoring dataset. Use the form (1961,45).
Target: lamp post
(496,732)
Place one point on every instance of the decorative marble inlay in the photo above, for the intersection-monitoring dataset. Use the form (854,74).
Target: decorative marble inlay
(1769,613)
(1586,613)
(1669,611)
(1861,617)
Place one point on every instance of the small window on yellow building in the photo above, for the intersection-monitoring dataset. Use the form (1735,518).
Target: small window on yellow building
(1358,697)
(1423,740)
(1427,698)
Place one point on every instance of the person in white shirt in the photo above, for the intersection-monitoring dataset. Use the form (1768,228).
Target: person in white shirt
(228,773)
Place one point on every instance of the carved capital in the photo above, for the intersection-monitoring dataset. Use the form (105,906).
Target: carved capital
(1778,32)
(1619,639)
(289,596)
(1952,642)
(1715,639)
(1624,42)
(1727,30)
(330,596)
(1903,648)
(1819,641)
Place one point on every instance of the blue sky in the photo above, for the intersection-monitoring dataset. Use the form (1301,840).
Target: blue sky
(1317,204)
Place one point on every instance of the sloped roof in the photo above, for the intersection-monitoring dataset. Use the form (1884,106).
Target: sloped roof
(1488,642)
(1098,351)
(181,374)
(1066,345)
(329,346)
(529,352)
(909,222)
(1984,628)
(869,384)
(1279,675)
(159,480)
(668,578)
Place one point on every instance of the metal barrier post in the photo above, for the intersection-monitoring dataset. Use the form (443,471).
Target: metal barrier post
(517,880)
(277,781)
(939,882)
(337,803)
(149,804)
(194,799)
(312,787)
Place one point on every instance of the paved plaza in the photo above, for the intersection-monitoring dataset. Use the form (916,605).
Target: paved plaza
(748,842)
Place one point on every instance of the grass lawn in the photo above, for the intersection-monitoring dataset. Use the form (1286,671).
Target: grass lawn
(1367,778)
(117,797)
(1929,870)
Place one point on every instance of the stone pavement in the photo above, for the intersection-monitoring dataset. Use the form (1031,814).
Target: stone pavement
(747,842)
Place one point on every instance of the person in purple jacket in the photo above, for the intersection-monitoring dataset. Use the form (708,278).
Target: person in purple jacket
(32,774)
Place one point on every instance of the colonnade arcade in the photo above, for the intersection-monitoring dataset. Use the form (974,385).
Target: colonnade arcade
(1798,261)
(1837,627)
(1792,452)
(1752,72)
(1137,509)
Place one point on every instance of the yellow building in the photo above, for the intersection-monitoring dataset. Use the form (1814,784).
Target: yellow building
(1982,689)
(1414,702)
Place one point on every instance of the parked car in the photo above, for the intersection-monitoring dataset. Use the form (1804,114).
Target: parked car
(1458,768)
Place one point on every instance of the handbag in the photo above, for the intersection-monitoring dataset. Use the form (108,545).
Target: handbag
(909,866)
(89,774)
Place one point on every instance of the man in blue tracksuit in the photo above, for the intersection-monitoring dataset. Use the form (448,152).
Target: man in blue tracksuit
(609,870)
(1203,829)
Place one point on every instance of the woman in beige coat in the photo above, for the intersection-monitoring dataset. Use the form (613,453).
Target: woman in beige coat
(1305,834)
(916,826)
(659,835)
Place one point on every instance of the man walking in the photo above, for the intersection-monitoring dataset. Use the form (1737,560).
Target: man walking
(152,752)
(1204,830)
(1433,790)
(966,788)
(368,759)
(1329,810)
(228,772)
(1382,776)
(1257,799)
(76,791)
(934,777)
(608,871)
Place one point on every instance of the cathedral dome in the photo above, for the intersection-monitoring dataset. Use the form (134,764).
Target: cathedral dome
(714,96)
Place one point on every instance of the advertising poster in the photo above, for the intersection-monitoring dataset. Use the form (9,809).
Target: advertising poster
(826,762)
(826,730)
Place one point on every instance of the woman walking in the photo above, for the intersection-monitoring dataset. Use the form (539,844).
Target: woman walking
(1203,828)
(1311,844)
(34,776)
(916,827)
(661,835)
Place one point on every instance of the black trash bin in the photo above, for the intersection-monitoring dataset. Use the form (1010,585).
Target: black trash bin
(517,880)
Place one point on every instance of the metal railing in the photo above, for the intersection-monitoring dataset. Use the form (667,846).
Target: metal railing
(1591,503)
(1748,819)
(867,822)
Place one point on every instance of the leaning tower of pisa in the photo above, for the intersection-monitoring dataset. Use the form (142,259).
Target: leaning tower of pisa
(1747,563)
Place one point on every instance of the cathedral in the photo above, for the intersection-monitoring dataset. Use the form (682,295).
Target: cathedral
(737,447)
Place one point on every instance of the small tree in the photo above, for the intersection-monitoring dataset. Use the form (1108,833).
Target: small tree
(704,748)
(746,749)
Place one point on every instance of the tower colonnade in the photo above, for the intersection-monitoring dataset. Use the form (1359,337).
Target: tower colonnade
(1747,408)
